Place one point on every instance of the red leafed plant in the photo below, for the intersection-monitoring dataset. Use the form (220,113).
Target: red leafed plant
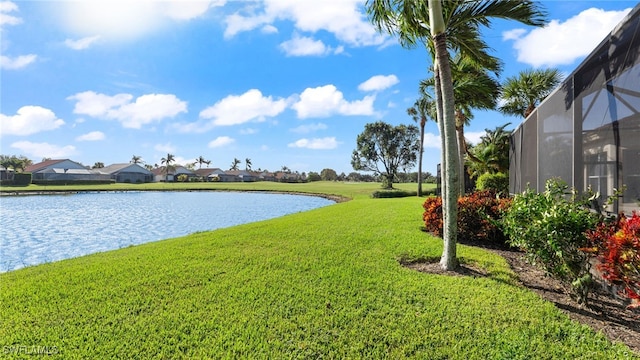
(477,216)
(617,248)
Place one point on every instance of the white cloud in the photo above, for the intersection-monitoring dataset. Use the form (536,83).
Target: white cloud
(19,62)
(81,44)
(304,46)
(378,82)
(342,18)
(326,143)
(146,108)
(305,129)
(324,101)
(42,150)
(473,137)
(240,109)
(269,29)
(187,10)
(29,120)
(6,19)
(432,140)
(221,141)
(248,131)
(562,43)
(168,148)
(121,20)
(91,136)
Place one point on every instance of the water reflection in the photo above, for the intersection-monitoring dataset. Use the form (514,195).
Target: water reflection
(39,229)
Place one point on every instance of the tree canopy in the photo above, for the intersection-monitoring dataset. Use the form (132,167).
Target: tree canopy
(384,149)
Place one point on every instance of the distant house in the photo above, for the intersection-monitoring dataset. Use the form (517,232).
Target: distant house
(242,175)
(214,174)
(127,173)
(160,174)
(63,170)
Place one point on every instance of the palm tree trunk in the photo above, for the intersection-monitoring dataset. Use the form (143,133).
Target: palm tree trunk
(422,124)
(449,260)
(461,151)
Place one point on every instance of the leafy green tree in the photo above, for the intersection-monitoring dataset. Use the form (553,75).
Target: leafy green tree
(384,149)
(523,93)
(328,175)
(234,164)
(313,176)
(442,26)
(15,163)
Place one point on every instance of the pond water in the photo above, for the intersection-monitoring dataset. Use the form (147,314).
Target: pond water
(38,229)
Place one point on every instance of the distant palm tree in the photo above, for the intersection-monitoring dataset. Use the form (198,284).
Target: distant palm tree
(491,155)
(136,159)
(286,169)
(201,160)
(524,92)
(247,163)
(423,108)
(234,164)
(168,161)
(98,165)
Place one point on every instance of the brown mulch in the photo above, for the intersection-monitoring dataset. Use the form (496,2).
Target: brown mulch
(604,312)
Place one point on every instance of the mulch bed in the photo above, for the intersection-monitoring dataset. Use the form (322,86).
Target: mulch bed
(604,312)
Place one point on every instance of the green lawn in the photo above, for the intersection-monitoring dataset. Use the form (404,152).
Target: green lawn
(324,283)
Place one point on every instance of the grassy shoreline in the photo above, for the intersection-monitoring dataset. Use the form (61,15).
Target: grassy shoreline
(323,283)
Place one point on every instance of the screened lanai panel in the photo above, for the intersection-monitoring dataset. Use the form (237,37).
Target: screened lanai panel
(555,137)
(530,153)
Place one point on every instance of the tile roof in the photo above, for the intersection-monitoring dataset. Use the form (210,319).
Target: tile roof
(42,165)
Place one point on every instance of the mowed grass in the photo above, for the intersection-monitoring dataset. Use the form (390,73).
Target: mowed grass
(320,284)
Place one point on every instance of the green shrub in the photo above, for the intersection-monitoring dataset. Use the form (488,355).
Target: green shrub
(498,182)
(392,194)
(550,227)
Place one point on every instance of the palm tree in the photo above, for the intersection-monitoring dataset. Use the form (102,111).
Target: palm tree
(136,159)
(201,160)
(523,93)
(473,88)
(491,155)
(423,107)
(168,161)
(234,164)
(98,165)
(455,26)
(248,164)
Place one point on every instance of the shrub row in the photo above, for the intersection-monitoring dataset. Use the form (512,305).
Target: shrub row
(558,233)
(392,194)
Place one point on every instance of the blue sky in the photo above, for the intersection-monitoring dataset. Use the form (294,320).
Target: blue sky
(282,82)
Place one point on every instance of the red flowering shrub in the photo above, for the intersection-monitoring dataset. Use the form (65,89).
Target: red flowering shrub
(617,249)
(477,216)
(432,215)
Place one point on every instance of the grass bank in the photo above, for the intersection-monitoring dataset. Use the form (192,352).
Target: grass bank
(324,283)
